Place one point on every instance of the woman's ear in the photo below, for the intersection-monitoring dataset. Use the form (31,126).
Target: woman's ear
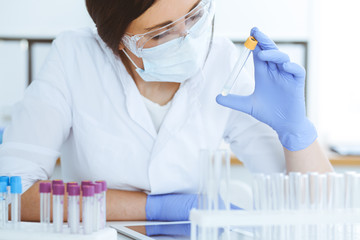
(121,46)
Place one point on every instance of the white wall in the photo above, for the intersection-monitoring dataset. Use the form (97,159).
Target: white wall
(336,60)
(31,19)
(280,19)
(41,18)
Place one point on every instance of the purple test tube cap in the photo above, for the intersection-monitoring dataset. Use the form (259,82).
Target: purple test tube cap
(70,184)
(103,184)
(57,181)
(45,187)
(58,189)
(98,188)
(73,190)
(87,182)
(88,191)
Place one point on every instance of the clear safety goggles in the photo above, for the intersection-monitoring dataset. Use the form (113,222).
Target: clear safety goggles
(199,16)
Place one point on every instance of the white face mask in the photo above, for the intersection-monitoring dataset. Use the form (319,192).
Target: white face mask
(176,60)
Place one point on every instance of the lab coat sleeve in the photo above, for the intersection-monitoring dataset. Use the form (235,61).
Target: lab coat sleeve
(254,143)
(41,122)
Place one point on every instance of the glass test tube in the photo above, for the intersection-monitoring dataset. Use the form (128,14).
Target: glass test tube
(295,190)
(323,192)
(16,190)
(314,190)
(278,191)
(87,208)
(304,192)
(259,192)
(356,194)
(335,190)
(286,192)
(58,206)
(203,191)
(3,204)
(221,161)
(45,195)
(74,208)
(215,177)
(350,178)
(250,45)
(103,203)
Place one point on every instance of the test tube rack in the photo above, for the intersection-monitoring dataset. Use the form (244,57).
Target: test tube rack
(268,220)
(37,231)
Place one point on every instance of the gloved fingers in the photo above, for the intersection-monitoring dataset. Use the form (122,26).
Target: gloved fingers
(258,63)
(240,103)
(274,56)
(296,70)
(264,41)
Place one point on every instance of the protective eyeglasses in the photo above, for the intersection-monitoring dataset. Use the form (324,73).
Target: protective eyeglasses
(194,22)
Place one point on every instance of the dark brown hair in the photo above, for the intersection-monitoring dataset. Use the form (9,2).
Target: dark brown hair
(112,17)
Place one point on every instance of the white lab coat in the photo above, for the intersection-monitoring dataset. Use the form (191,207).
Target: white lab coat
(85,107)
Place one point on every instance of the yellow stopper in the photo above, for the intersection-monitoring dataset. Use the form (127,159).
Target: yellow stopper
(251,43)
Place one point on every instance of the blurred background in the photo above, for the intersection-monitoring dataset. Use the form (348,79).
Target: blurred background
(321,35)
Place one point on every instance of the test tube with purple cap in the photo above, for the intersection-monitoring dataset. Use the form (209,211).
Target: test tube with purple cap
(45,196)
(103,203)
(74,208)
(87,208)
(58,206)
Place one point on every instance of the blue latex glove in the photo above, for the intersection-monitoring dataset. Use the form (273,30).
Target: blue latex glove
(169,230)
(173,207)
(278,99)
(170,207)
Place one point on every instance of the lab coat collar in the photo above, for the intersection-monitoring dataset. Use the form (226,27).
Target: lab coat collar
(185,102)
(133,101)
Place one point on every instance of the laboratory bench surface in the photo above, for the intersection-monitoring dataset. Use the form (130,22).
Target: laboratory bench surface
(335,160)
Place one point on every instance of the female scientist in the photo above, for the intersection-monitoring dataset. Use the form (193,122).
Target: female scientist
(135,100)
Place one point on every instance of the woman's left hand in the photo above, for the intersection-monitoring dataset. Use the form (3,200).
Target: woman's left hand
(278,99)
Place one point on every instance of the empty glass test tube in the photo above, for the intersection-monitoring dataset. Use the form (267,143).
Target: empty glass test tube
(295,190)
(250,45)
(58,206)
(74,208)
(3,204)
(16,190)
(88,208)
(103,203)
(45,195)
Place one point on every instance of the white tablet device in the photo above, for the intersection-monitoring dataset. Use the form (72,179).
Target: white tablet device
(152,230)
(168,230)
